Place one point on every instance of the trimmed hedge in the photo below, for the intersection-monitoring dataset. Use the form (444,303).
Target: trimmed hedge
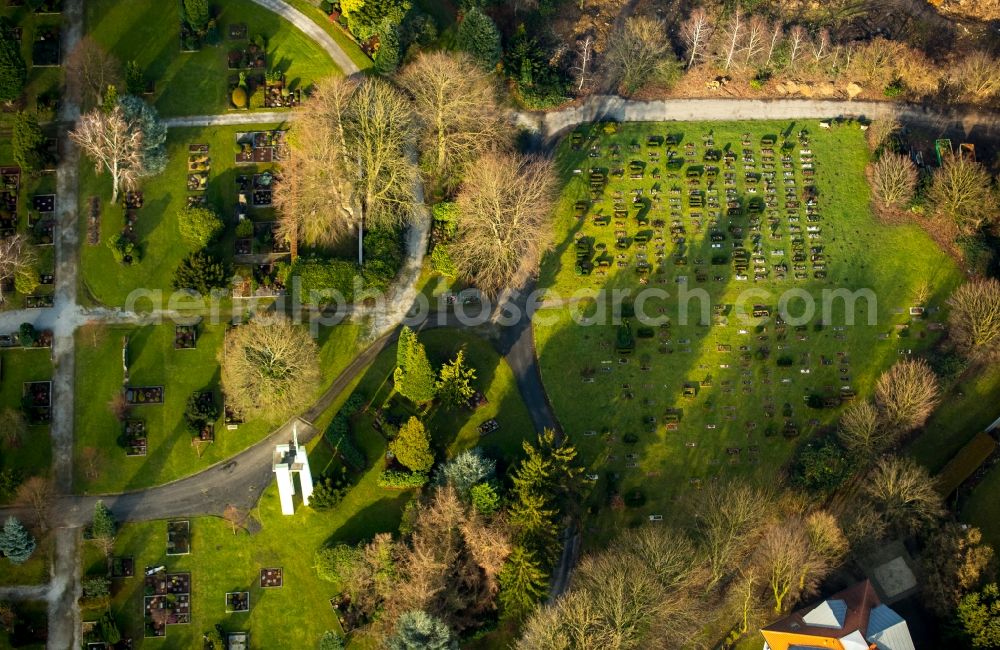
(402,480)
(338,434)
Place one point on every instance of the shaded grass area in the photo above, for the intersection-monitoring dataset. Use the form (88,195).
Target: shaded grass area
(861,253)
(153,361)
(31,632)
(34,455)
(221,561)
(346,43)
(195,83)
(965,410)
(982,509)
(103,280)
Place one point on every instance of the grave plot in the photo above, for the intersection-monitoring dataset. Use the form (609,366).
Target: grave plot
(134,437)
(167,601)
(37,401)
(185,337)
(257,281)
(141,395)
(262,190)
(178,537)
(261,147)
(45,50)
(122,567)
(237,602)
(271,578)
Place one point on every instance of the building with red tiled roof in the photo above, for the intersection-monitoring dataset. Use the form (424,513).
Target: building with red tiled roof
(853,619)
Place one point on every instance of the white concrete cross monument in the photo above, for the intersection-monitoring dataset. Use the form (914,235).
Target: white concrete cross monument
(288,460)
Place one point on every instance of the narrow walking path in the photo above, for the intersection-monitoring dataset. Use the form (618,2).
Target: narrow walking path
(313,31)
(64,591)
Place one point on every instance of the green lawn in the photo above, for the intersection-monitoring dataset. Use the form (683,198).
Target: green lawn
(41,80)
(33,572)
(34,454)
(221,562)
(965,410)
(197,83)
(982,508)
(153,361)
(161,248)
(346,43)
(860,253)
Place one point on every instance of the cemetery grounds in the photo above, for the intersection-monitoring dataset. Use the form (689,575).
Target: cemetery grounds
(707,401)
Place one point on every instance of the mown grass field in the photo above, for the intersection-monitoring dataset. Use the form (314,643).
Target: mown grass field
(34,454)
(736,390)
(196,83)
(153,361)
(221,561)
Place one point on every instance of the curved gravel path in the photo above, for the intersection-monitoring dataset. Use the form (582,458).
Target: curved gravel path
(313,31)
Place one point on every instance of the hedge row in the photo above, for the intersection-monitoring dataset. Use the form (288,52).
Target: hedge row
(402,480)
(339,432)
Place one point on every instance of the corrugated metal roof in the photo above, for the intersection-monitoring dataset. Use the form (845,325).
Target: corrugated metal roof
(888,630)
(829,613)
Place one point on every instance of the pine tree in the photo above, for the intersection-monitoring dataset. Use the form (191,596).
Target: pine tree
(16,543)
(196,14)
(418,630)
(541,481)
(414,377)
(412,446)
(523,582)
(104,525)
(478,35)
(200,272)
(454,386)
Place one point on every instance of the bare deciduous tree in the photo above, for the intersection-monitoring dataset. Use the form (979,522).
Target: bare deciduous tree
(13,426)
(977,76)
(92,460)
(696,32)
(640,51)
(893,181)
(795,554)
(506,206)
(621,599)
(974,319)
(16,257)
(350,163)
(879,132)
(955,565)
(729,517)
(906,394)
(37,493)
(961,190)
(861,431)
(773,41)
(113,145)
(798,40)
(90,69)
(268,366)
(458,114)
(904,493)
(235,517)
(584,54)
(731,39)
(821,46)
(757,34)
